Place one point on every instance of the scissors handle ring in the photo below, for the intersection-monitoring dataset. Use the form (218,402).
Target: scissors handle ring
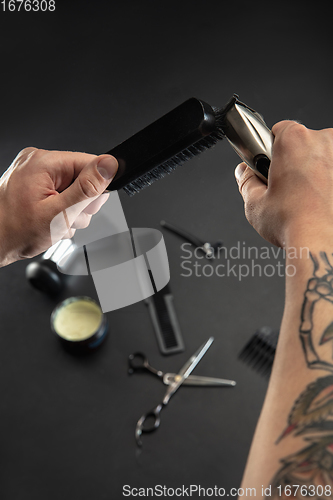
(155,414)
(138,361)
(143,426)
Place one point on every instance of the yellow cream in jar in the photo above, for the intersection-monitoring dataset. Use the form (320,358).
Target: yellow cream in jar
(77,320)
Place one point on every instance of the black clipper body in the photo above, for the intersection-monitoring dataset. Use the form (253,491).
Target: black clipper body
(249,136)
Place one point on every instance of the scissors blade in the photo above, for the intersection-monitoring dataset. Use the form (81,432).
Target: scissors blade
(169,378)
(187,369)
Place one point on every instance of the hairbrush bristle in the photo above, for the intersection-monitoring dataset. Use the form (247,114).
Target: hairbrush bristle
(172,163)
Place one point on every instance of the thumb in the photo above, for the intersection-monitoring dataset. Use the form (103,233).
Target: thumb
(89,185)
(91,182)
(250,186)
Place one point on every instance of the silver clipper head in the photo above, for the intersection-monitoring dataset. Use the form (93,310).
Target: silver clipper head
(249,136)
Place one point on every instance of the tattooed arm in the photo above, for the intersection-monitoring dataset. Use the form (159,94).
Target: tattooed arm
(293,442)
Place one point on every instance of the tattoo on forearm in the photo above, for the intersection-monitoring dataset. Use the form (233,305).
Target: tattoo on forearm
(312,413)
(319,289)
(309,467)
(311,409)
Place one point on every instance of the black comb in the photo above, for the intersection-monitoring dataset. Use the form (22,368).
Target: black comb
(158,149)
(259,352)
(165,323)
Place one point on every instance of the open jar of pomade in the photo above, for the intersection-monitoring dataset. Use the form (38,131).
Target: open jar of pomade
(79,322)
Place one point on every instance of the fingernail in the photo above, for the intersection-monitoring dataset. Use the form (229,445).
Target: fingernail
(107,167)
(240,170)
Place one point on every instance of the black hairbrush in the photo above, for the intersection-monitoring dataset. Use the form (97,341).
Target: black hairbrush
(185,132)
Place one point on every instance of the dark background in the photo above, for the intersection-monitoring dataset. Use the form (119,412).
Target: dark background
(86,77)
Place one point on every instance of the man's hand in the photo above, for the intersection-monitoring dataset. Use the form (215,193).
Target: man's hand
(41,184)
(298,201)
(293,440)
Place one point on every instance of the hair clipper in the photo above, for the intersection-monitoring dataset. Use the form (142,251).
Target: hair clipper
(249,136)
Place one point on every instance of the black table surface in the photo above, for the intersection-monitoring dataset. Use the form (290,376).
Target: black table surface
(86,77)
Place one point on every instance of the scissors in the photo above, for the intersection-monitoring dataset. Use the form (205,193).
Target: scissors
(139,362)
(153,415)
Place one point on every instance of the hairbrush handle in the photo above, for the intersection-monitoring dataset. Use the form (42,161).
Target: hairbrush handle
(249,136)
